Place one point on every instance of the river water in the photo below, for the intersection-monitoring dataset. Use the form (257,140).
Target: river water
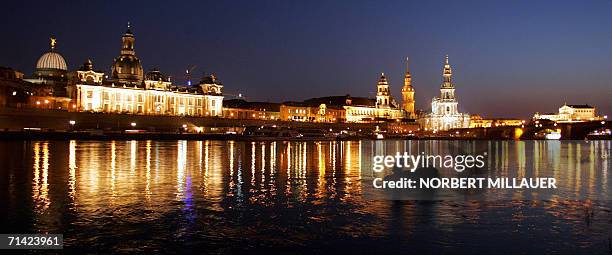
(288,197)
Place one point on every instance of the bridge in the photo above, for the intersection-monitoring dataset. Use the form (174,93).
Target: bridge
(568,131)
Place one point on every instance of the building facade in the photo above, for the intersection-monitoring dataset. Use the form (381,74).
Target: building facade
(384,108)
(478,122)
(444,109)
(241,109)
(129,91)
(49,84)
(304,112)
(571,113)
(155,98)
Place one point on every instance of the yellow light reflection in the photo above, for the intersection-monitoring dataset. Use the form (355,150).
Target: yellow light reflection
(263,164)
(133,146)
(321,161)
(148,172)
(113,168)
(72,169)
(231,159)
(181,162)
(36,179)
(44,188)
(206,157)
(253,163)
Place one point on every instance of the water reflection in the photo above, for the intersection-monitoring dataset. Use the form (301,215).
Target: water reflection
(181,194)
(40,192)
(72,169)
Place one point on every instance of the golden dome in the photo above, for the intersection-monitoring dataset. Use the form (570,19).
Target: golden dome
(51,60)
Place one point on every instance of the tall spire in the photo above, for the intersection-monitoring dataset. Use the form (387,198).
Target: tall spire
(129,29)
(408,93)
(407,66)
(447,73)
(407,76)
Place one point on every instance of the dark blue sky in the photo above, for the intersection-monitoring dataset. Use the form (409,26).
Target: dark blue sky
(509,58)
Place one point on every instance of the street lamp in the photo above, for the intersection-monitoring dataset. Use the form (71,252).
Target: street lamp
(133,124)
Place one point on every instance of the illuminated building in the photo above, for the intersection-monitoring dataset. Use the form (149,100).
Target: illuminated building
(51,75)
(50,81)
(408,94)
(129,91)
(384,108)
(444,109)
(127,67)
(402,127)
(241,109)
(476,121)
(311,112)
(571,113)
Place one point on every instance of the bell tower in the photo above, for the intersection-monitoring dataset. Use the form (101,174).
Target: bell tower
(383,96)
(128,42)
(447,90)
(127,67)
(408,94)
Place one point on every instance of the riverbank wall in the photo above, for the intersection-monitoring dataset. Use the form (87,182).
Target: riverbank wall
(56,120)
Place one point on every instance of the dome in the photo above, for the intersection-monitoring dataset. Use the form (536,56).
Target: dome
(155,75)
(127,68)
(87,66)
(51,60)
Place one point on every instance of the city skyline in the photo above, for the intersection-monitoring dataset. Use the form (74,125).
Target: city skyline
(534,75)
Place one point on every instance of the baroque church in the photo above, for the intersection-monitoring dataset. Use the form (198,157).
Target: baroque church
(385,107)
(130,90)
(445,114)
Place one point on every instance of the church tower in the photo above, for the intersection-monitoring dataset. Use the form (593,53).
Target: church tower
(127,67)
(447,90)
(383,96)
(408,94)
(444,109)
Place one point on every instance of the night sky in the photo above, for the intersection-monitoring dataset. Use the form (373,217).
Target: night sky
(509,58)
